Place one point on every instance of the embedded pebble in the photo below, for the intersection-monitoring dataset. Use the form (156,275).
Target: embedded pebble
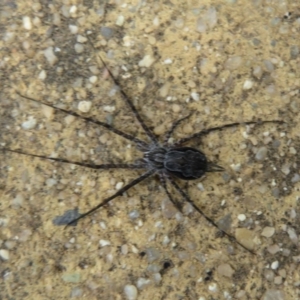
(176,108)
(179,22)
(134,214)
(168,61)
(48,112)
(248,84)
(268,231)
(120,20)
(213,287)
(42,75)
(119,185)
(147,61)
(278,280)
(157,278)
(241,217)
(27,23)
(4,254)
(124,249)
(211,17)
(84,106)
(225,270)
(79,48)
(275,265)
(273,249)
(69,119)
(245,237)
(29,124)
(195,96)
(257,72)
(18,200)
(104,243)
(130,292)
(107,32)
(273,295)
(10,244)
(142,283)
(292,234)
(76,292)
(233,62)
(152,254)
(81,39)
(73,277)
(268,66)
(164,90)
(285,169)
(50,56)
(201,25)
(73,29)
(269,275)
(109,108)
(261,154)
(93,79)
(294,51)
(50,182)
(168,209)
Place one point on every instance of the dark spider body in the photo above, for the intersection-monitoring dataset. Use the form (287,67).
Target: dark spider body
(185,163)
(168,161)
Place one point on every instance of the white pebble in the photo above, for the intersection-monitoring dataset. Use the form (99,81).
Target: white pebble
(42,75)
(195,96)
(120,20)
(213,287)
(268,231)
(119,185)
(109,108)
(147,61)
(51,182)
(84,106)
(275,265)
(234,62)
(73,9)
(29,124)
(27,23)
(4,254)
(168,61)
(200,187)
(48,112)
(130,292)
(104,243)
(81,39)
(241,217)
(50,56)
(156,21)
(78,48)
(93,79)
(248,84)
(69,119)
(73,29)
(142,283)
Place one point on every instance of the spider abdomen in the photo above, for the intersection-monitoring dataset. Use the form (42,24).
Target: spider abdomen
(186,163)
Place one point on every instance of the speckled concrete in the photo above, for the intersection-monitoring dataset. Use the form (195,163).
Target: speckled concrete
(163,254)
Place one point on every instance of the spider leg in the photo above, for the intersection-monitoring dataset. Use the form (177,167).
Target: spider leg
(164,184)
(189,200)
(206,131)
(87,165)
(118,193)
(90,120)
(149,133)
(173,127)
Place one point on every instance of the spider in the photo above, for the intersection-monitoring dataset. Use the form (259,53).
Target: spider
(167,161)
